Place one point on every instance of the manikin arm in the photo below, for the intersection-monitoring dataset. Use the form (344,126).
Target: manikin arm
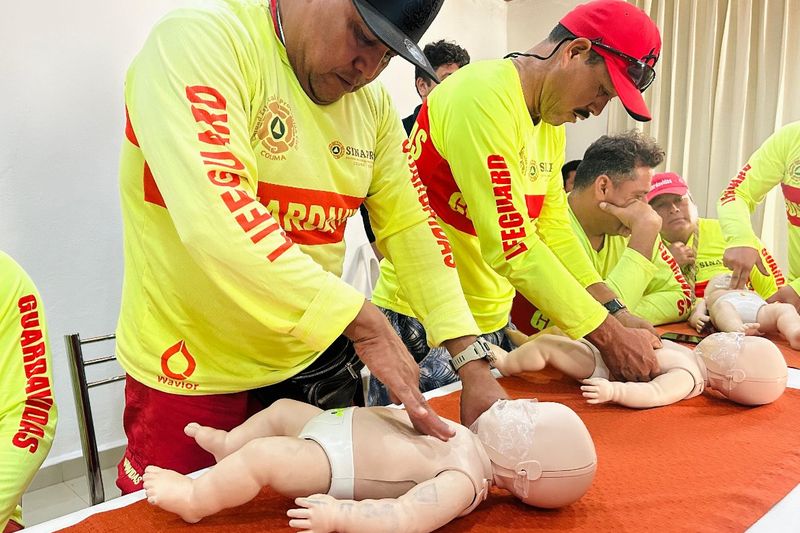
(673,385)
(426,507)
(699,317)
(665,389)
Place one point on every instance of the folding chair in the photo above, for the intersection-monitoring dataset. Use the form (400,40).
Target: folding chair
(80,388)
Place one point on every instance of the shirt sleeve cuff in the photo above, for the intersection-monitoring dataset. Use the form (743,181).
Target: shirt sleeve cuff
(795,284)
(449,322)
(333,308)
(590,323)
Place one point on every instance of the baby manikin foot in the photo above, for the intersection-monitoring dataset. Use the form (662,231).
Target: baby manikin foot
(171,491)
(212,440)
(750,328)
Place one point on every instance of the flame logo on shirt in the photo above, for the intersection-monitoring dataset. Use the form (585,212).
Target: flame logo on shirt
(278,131)
(179,348)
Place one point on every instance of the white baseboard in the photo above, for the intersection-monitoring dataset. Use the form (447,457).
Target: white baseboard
(71,468)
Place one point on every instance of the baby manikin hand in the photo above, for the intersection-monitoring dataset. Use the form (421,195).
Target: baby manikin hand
(597,390)
(699,322)
(315,514)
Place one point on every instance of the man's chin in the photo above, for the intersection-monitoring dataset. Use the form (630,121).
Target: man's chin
(322,97)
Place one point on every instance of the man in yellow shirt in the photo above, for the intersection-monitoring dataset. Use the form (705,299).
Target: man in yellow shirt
(619,231)
(697,243)
(777,161)
(27,409)
(489,147)
(253,133)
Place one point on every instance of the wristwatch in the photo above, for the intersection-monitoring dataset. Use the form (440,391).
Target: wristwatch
(614,306)
(479,349)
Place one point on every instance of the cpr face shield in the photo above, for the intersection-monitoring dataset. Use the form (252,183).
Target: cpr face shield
(541,451)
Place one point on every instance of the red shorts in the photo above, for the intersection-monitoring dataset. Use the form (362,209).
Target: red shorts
(11,527)
(154,422)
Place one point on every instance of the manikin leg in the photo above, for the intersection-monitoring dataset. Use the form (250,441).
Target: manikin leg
(293,467)
(783,318)
(726,318)
(282,418)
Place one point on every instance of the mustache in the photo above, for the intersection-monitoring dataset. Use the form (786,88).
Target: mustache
(582,112)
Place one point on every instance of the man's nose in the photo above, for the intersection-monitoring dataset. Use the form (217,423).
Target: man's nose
(368,62)
(598,105)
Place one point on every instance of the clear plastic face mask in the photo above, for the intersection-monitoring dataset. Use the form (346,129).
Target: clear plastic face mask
(507,430)
(722,350)
(722,282)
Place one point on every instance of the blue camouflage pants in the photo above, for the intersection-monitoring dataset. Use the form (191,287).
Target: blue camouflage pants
(435,369)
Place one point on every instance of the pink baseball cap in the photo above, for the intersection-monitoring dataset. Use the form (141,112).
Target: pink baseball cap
(666,183)
(629,42)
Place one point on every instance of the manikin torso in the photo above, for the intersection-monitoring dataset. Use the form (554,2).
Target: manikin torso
(390,457)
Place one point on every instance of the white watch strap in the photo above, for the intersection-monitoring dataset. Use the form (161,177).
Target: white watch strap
(479,349)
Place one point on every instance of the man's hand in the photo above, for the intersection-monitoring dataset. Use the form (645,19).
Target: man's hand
(480,390)
(741,259)
(629,320)
(627,352)
(377,344)
(683,254)
(642,223)
(786,294)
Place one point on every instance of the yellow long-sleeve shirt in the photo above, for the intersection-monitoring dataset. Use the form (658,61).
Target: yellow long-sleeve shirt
(711,248)
(653,288)
(28,413)
(236,188)
(494,182)
(777,161)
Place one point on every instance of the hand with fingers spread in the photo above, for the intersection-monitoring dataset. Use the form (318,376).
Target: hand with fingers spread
(379,347)
(629,320)
(628,353)
(741,259)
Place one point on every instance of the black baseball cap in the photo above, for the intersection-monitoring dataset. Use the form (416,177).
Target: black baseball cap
(399,24)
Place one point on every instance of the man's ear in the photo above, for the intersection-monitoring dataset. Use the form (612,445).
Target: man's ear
(423,87)
(577,47)
(602,187)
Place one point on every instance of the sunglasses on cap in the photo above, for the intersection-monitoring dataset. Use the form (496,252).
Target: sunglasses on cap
(641,74)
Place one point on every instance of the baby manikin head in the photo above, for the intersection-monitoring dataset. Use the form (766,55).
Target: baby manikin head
(540,451)
(745,369)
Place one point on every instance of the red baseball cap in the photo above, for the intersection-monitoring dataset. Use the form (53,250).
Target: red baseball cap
(666,183)
(629,42)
